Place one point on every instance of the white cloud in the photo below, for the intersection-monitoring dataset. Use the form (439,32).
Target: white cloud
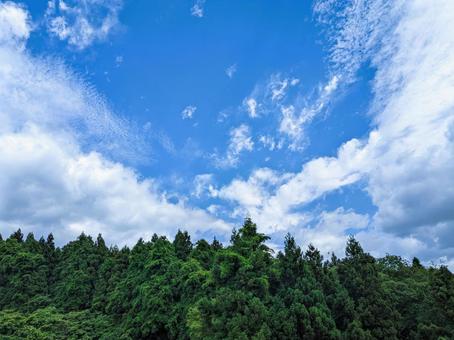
(294,81)
(270,143)
(254,197)
(253,192)
(296,117)
(292,125)
(251,106)
(331,86)
(295,111)
(329,233)
(166,142)
(223,115)
(82,23)
(230,71)
(55,135)
(278,87)
(411,150)
(322,175)
(269,96)
(61,102)
(240,141)
(349,26)
(48,184)
(188,112)
(15,25)
(276,210)
(213,209)
(356,30)
(44,92)
(197,9)
(203,185)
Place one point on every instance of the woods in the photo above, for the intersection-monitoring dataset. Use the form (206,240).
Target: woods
(163,289)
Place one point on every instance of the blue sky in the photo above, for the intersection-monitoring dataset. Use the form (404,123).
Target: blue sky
(317,118)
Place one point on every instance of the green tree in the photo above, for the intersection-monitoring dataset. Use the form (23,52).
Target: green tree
(182,244)
(76,274)
(23,275)
(359,274)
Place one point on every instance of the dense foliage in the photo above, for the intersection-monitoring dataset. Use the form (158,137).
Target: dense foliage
(179,290)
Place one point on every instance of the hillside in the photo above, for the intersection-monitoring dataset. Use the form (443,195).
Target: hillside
(162,289)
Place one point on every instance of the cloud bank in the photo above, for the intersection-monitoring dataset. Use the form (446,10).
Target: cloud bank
(407,161)
(56,135)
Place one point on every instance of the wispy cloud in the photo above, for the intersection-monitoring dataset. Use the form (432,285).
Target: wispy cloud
(356,31)
(251,107)
(118,60)
(203,185)
(356,26)
(281,96)
(269,96)
(82,23)
(230,71)
(197,10)
(44,92)
(270,142)
(278,86)
(188,112)
(240,141)
(296,117)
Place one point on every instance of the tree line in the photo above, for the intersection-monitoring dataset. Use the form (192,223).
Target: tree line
(162,289)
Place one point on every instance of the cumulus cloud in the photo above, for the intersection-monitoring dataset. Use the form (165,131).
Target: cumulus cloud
(82,23)
(15,24)
(56,138)
(410,150)
(329,230)
(275,211)
(240,141)
(50,185)
(254,191)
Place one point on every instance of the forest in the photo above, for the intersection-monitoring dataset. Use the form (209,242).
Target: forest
(176,289)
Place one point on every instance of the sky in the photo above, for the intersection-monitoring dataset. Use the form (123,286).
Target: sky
(322,119)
